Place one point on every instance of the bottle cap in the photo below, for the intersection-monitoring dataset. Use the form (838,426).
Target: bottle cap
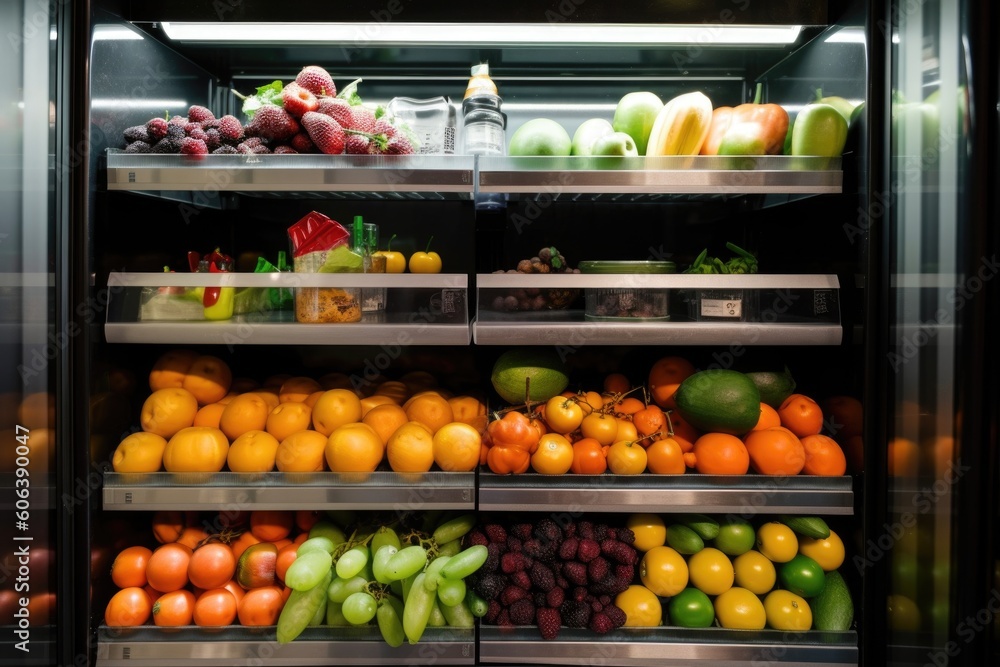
(480,81)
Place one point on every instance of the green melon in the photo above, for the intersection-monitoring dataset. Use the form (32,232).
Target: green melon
(719,401)
(539,369)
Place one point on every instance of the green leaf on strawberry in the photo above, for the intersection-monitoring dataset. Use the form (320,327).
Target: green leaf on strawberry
(350,93)
(268,94)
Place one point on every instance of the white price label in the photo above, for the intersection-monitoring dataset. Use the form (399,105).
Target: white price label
(722,308)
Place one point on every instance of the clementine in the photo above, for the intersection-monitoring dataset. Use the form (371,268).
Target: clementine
(334,409)
(253,451)
(775,451)
(823,456)
(456,447)
(301,452)
(720,454)
(208,378)
(355,447)
(288,418)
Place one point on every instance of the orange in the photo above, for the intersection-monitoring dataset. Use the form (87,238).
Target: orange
(170,369)
(430,409)
(301,452)
(629,406)
(288,418)
(167,568)
(129,567)
(665,376)
(768,418)
(456,447)
(355,448)
(554,455)
(650,420)
(271,525)
(335,381)
(313,397)
(209,415)
(721,454)
(590,457)
(211,566)
(270,396)
(801,415)
(242,543)
(394,389)
(369,402)
(167,526)
(845,417)
(167,411)
(297,389)
(139,452)
(385,419)
(469,410)
(411,448)
(335,408)
(209,379)
(665,457)
(616,383)
(246,412)
(680,427)
(196,449)
(775,451)
(192,536)
(254,451)
(823,456)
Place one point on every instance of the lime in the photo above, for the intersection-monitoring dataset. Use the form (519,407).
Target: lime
(691,609)
(802,576)
(735,537)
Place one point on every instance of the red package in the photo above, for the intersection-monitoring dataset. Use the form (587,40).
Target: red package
(316,233)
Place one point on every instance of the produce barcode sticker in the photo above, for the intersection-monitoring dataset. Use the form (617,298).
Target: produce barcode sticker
(721,307)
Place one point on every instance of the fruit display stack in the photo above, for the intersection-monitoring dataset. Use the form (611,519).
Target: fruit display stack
(303,116)
(294,570)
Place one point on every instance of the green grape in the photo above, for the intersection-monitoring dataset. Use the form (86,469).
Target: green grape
(328,530)
(397,604)
(407,562)
(384,536)
(436,619)
(417,610)
(352,562)
(454,529)
(308,571)
(458,616)
(335,615)
(433,576)
(450,548)
(451,591)
(359,608)
(320,543)
(339,589)
(299,610)
(408,583)
(390,625)
(397,587)
(367,572)
(465,563)
(380,561)
(477,605)
(320,614)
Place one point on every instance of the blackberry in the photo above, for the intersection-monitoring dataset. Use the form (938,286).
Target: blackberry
(549,621)
(496,533)
(138,147)
(575,614)
(626,536)
(490,586)
(548,530)
(166,145)
(555,597)
(600,624)
(492,557)
(619,551)
(600,532)
(521,579)
(512,562)
(514,544)
(136,133)
(542,577)
(492,612)
(225,149)
(615,614)
(176,131)
(567,550)
(539,599)
(587,550)
(522,612)
(512,594)
(598,569)
(575,573)
(199,114)
(521,531)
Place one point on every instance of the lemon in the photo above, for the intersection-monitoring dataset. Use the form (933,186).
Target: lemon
(649,531)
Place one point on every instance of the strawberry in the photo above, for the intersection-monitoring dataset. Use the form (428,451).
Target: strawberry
(399,145)
(362,119)
(199,114)
(273,122)
(157,128)
(325,132)
(302,143)
(317,81)
(297,100)
(337,109)
(193,147)
(357,144)
(384,126)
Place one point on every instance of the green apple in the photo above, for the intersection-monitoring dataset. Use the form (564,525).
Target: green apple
(588,133)
(540,136)
(635,115)
(616,143)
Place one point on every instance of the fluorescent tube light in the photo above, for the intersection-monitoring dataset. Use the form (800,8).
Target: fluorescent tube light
(484,35)
(176,106)
(115,32)
(847,36)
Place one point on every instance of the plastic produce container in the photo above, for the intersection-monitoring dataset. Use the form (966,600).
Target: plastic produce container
(626,303)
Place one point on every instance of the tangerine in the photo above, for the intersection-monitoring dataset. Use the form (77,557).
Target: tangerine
(297,389)
(775,451)
(167,411)
(665,376)
(170,369)
(288,418)
(430,409)
(768,418)
(720,454)
(823,456)
(385,419)
(410,448)
(456,447)
(616,383)
(335,408)
(369,402)
(301,452)
(254,451)
(139,452)
(801,415)
(246,412)
(209,415)
(196,449)
(355,447)
(208,378)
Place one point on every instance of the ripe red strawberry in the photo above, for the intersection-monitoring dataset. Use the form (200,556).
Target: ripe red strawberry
(325,132)
(302,143)
(199,114)
(297,100)
(337,109)
(357,144)
(284,150)
(399,145)
(191,146)
(198,133)
(317,81)
(383,126)
(362,119)
(230,129)
(273,122)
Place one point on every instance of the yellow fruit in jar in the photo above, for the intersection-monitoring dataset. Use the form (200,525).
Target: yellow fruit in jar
(139,452)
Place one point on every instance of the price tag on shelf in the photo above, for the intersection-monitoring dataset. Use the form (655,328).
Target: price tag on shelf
(722,308)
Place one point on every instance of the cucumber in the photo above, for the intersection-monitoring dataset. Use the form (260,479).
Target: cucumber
(684,540)
(706,527)
(810,526)
(833,609)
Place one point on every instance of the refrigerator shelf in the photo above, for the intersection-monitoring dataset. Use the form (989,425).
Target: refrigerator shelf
(381,490)
(151,646)
(741,494)
(641,647)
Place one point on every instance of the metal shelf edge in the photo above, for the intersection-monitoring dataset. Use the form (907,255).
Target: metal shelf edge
(233,333)
(654,333)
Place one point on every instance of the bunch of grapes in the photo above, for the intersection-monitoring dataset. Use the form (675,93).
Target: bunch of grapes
(404,583)
(544,575)
(548,260)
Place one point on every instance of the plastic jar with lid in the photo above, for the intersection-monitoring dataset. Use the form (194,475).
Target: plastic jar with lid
(627,303)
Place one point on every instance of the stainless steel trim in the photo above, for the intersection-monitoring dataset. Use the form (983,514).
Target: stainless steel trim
(240,330)
(654,333)
(387,280)
(661,281)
